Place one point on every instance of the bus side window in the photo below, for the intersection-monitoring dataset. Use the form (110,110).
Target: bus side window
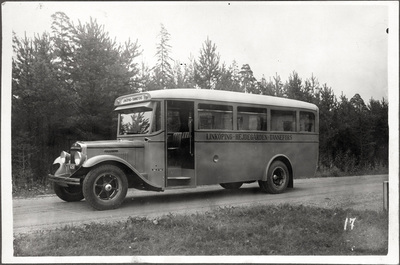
(215,117)
(307,121)
(254,119)
(283,120)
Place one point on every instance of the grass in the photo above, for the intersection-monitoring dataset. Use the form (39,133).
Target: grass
(324,172)
(33,190)
(258,230)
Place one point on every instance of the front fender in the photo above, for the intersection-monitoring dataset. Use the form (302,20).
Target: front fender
(63,170)
(57,161)
(279,156)
(103,158)
(62,175)
(107,158)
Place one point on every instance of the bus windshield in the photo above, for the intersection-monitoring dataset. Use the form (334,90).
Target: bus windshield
(135,121)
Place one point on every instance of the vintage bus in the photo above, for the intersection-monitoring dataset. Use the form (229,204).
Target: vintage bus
(183,138)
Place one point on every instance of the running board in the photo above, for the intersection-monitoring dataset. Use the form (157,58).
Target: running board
(179,178)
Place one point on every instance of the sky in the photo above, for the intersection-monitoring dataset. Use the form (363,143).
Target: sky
(344,45)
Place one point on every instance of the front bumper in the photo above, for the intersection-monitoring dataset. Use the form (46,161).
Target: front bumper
(63,175)
(64,180)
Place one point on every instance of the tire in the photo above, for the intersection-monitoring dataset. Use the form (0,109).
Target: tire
(277,178)
(231,186)
(72,193)
(105,187)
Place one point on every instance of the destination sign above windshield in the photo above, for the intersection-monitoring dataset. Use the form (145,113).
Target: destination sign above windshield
(129,99)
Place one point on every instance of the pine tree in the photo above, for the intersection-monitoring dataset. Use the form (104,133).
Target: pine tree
(35,87)
(225,79)
(183,75)
(311,90)
(293,87)
(378,127)
(266,87)
(143,81)
(207,70)
(163,73)
(247,81)
(99,71)
(327,125)
(64,86)
(189,72)
(278,86)
(235,77)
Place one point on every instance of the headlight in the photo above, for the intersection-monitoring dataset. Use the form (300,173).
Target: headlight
(65,157)
(78,157)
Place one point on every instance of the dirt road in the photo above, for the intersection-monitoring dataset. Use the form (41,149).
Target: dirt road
(47,212)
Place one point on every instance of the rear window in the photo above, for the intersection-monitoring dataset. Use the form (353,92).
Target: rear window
(307,121)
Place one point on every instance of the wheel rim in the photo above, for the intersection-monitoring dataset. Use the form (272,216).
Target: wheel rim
(279,177)
(106,187)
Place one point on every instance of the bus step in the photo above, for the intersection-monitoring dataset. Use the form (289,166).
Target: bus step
(179,178)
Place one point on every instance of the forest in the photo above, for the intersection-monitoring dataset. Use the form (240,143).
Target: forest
(64,84)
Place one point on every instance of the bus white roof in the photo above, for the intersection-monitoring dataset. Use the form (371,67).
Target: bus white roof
(228,96)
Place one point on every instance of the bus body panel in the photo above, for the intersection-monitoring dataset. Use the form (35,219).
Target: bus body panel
(223,157)
(305,161)
(225,162)
(241,162)
(130,151)
(155,162)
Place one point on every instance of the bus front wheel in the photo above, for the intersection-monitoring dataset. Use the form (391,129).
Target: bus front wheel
(277,178)
(72,193)
(105,187)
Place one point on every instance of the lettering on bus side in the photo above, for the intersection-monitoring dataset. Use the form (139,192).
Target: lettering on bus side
(219,136)
(281,137)
(248,137)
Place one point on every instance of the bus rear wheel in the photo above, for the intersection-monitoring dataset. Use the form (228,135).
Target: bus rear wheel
(72,193)
(231,186)
(277,178)
(105,187)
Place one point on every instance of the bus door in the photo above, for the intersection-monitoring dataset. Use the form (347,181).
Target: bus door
(180,143)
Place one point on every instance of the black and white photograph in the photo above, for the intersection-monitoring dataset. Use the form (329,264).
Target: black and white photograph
(200,132)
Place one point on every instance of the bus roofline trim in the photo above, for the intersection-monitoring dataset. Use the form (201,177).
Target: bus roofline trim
(110,158)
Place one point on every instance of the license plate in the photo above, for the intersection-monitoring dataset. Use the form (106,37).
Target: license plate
(72,166)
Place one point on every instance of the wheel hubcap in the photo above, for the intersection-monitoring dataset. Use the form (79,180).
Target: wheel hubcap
(106,187)
(279,177)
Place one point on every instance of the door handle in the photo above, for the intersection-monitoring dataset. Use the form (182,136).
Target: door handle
(190,134)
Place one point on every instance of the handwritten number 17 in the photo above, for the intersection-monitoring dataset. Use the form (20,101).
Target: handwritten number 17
(349,221)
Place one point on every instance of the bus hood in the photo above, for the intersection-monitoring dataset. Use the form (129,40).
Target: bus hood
(111,144)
